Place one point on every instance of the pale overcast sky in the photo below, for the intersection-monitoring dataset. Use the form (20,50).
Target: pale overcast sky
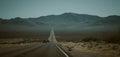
(36,8)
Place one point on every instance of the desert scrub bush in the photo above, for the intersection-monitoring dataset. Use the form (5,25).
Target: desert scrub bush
(95,46)
(68,45)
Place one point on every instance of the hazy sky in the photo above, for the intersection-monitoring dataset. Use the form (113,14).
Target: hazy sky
(36,8)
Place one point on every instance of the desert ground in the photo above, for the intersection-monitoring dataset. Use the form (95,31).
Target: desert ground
(18,44)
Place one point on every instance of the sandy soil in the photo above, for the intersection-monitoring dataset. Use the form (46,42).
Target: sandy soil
(101,49)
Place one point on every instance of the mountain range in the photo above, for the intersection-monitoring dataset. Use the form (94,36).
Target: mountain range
(69,21)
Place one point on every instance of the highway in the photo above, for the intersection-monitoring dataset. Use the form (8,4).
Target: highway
(50,49)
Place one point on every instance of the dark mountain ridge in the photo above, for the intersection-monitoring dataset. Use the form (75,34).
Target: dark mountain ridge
(64,21)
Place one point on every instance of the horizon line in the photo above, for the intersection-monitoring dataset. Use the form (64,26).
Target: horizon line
(56,15)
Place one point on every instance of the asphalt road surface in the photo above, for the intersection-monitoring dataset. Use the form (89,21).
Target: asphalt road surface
(34,50)
(49,49)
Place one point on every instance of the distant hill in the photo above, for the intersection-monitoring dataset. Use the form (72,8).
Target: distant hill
(67,21)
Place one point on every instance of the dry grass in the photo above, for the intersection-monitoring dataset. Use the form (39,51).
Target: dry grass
(95,47)
(18,42)
(13,45)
